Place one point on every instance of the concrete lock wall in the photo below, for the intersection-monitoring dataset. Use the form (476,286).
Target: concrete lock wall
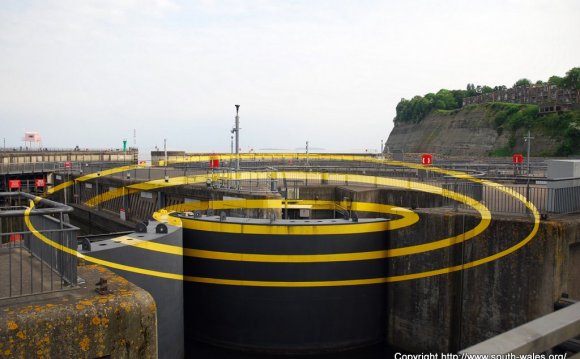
(81,323)
(167,293)
(452,311)
(449,312)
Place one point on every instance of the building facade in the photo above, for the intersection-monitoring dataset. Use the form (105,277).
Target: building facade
(549,98)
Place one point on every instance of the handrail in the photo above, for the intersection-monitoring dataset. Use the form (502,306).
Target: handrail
(54,207)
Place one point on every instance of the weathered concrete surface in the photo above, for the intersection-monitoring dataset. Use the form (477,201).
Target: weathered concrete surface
(168,293)
(449,312)
(81,323)
(536,336)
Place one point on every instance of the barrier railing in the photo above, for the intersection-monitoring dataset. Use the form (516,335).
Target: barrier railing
(33,255)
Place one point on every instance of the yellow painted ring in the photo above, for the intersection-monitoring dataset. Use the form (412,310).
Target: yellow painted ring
(405,277)
(327,229)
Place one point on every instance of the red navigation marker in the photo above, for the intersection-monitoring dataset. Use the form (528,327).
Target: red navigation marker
(68,164)
(40,182)
(518,158)
(427,159)
(14,184)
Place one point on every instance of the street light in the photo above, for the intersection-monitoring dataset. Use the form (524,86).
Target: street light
(528,139)
(236,129)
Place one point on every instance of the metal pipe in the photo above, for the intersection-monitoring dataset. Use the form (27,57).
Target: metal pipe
(55,206)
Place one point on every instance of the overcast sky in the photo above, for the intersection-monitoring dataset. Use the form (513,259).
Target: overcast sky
(90,73)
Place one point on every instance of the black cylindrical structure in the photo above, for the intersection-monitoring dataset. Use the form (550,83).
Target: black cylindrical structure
(284,286)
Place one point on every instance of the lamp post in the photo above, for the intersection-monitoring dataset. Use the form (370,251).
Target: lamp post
(165,150)
(528,139)
(236,129)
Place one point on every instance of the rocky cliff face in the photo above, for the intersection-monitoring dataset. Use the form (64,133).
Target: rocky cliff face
(466,132)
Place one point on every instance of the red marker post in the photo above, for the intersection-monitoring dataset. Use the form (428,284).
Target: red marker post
(427,159)
(517,159)
(214,163)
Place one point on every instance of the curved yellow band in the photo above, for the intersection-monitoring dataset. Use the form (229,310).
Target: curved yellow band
(517,246)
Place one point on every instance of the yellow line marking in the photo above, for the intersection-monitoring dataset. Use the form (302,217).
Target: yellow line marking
(65,249)
(334,229)
(353,228)
(91,176)
(408,219)
(411,276)
(327,229)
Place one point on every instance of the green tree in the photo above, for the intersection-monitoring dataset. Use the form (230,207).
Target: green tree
(555,80)
(486,89)
(402,110)
(444,100)
(572,79)
(459,95)
(522,82)
(470,90)
(420,107)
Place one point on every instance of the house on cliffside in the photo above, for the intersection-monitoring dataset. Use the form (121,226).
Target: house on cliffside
(549,98)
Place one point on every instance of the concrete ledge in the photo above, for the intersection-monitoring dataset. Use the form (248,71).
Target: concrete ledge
(81,323)
(536,336)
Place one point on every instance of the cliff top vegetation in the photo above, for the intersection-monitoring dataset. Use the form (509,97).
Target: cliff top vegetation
(415,109)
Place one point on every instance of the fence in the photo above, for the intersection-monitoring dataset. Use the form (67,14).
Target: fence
(44,167)
(505,200)
(31,259)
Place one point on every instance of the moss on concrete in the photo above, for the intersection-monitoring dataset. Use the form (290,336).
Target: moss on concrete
(81,323)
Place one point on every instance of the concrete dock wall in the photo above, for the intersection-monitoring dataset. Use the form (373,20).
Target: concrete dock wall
(449,312)
(80,323)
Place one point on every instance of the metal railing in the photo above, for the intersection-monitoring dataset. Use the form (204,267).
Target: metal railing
(43,167)
(507,201)
(60,149)
(36,251)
